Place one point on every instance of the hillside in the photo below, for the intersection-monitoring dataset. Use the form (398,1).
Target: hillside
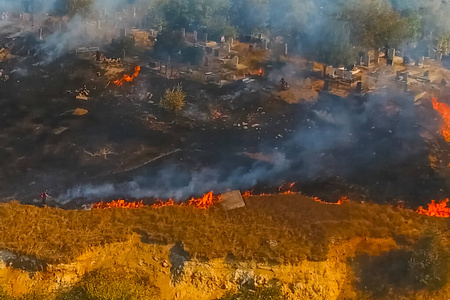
(278,245)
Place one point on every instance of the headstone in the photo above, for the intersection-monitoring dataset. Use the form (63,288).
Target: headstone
(259,35)
(209,50)
(25,17)
(216,52)
(40,33)
(309,66)
(265,44)
(123,32)
(426,74)
(250,48)
(183,32)
(206,61)
(235,61)
(326,85)
(438,56)
(98,25)
(195,36)
(222,39)
(134,12)
(205,37)
(231,41)
(359,87)
(340,73)
(227,48)
(391,53)
(285,49)
(348,75)
(308,83)
(366,59)
(331,71)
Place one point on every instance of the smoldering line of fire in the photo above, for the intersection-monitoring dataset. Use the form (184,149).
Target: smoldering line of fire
(337,142)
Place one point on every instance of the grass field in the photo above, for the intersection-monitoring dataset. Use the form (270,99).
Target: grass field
(277,230)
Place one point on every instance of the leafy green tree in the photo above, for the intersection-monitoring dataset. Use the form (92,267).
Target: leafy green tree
(168,43)
(80,7)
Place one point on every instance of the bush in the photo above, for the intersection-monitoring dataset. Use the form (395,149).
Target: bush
(105,285)
(272,292)
(429,263)
(173,99)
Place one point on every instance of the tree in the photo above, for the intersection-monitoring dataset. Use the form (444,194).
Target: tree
(168,43)
(173,99)
(374,24)
(331,47)
(80,7)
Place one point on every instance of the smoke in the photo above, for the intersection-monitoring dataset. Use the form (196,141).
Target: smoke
(176,183)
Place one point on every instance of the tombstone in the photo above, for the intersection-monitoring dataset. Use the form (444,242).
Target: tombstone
(438,56)
(339,73)
(183,32)
(285,49)
(216,52)
(205,37)
(391,53)
(331,71)
(25,17)
(134,12)
(98,25)
(40,34)
(426,74)
(326,85)
(123,32)
(206,61)
(209,50)
(309,66)
(235,61)
(366,59)
(397,75)
(265,44)
(195,36)
(227,48)
(359,87)
(250,48)
(222,39)
(348,75)
(443,82)
(308,83)
(231,41)
(260,36)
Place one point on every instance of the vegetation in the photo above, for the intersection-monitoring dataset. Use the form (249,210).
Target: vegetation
(110,284)
(272,292)
(296,223)
(173,99)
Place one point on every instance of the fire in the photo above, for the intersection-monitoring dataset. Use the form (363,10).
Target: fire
(444,111)
(436,209)
(204,202)
(127,78)
(118,203)
(159,203)
(340,201)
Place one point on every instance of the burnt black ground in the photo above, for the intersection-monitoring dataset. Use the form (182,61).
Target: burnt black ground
(370,148)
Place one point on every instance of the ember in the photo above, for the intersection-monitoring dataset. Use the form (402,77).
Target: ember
(444,111)
(439,209)
(118,203)
(127,78)
(339,202)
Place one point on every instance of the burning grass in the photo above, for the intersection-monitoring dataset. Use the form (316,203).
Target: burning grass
(436,209)
(128,78)
(444,111)
(282,228)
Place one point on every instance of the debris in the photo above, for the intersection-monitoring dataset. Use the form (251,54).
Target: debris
(232,200)
(80,112)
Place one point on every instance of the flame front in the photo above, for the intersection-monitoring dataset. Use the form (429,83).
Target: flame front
(118,203)
(127,78)
(436,209)
(204,202)
(444,111)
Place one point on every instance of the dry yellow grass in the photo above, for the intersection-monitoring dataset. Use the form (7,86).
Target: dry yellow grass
(298,226)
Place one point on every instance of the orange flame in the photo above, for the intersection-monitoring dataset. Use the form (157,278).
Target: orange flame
(159,203)
(127,78)
(444,111)
(204,202)
(341,201)
(436,209)
(118,203)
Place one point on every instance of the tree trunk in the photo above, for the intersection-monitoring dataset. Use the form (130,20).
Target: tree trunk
(324,70)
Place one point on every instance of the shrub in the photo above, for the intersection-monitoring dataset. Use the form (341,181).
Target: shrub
(173,99)
(106,285)
(429,262)
(272,292)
